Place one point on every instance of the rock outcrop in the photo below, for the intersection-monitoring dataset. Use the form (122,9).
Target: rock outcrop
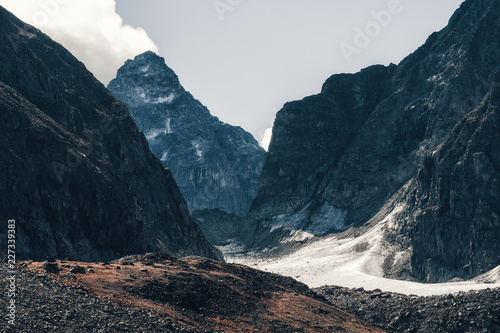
(77,175)
(216,165)
(311,136)
(451,215)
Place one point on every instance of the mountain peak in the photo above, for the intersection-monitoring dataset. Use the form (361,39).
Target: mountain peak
(151,79)
(216,165)
(150,59)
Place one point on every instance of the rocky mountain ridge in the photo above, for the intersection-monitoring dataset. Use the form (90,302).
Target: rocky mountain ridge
(216,165)
(78,177)
(339,161)
(455,199)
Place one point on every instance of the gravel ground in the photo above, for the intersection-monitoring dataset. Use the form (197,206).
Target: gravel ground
(43,305)
(475,311)
(159,293)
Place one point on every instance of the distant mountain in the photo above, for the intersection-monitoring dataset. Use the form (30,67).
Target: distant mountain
(216,165)
(78,177)
(339,161)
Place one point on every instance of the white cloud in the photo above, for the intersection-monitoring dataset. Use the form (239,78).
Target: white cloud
(266,138)
(91,30)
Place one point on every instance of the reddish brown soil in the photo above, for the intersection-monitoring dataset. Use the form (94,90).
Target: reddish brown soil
(203,294)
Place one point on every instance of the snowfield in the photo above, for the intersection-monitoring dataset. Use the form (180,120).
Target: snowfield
(354,263)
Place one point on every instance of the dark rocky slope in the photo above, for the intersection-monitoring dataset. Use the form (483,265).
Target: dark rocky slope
(337,158)
(310,137)
(77,174)
(451,216)
(216,165)
(428,94)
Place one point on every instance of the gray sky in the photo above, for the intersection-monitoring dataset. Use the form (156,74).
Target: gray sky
(267,52)
(243,59)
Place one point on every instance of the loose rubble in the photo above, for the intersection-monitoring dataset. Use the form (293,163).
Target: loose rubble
(161,293)
(475,311)
(43,305)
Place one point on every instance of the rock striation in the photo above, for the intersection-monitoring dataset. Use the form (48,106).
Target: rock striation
(77,175)
(216,165)
(451,215)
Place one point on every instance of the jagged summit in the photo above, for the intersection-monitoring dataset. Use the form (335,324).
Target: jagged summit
(216,165)
(162,83)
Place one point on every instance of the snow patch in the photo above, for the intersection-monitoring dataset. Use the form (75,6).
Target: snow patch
(492,276)
(289,222)
(390,220)
(164,157)
(356,262)
(223,182)
(199,151)
(302,225)
(151,135)
(327,219)
(167,124)
(169,99)
(155,100)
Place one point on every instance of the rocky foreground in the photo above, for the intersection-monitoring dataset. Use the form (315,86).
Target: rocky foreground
(475,311)
(159,293)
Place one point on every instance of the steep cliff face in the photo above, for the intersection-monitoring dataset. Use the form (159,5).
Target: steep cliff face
(342,159)
(217,166)
(429,93)
(78,176)
(310,136)
(452,207)
(337,157)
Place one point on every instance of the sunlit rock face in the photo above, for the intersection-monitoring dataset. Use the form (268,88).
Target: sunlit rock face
(216,165)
